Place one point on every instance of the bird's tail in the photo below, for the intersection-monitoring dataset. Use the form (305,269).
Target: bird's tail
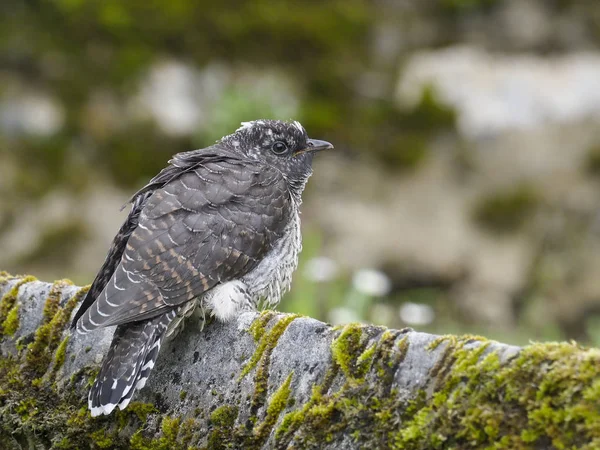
(130,359)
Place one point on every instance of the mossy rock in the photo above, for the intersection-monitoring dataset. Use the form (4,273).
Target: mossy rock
(284,381)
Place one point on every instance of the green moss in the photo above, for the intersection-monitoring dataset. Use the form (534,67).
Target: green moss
(175,435)
(433,345)
(258,327)
(48,335)
(279,399)
(506,211)
(141,410)
(546,396)
(182,395)
(27,408)
(222,421)
(32,406)
(277,404)
(101,439)
(261,377)
(294,420)
(188,433)
(364,406)
(388,357)
(11,324)
(534,400)
(347,352)
(61,352)
(366,357)
(268,341)
(224,416)
(8,305)
(403,345)
(4,276)
(63,444)
(170,428)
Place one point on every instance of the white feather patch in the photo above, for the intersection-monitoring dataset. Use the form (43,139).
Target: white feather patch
(124,403)
(102,409)
(126,390)
(100,312)
(148,365)
(140,384)
(298,126)
(246,125)
(225,300)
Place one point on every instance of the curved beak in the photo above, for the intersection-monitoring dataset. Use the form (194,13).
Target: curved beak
(315,145)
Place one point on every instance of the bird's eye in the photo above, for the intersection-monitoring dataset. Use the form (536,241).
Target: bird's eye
(279,148)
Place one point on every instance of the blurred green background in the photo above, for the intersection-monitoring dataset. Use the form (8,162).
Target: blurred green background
(464,192)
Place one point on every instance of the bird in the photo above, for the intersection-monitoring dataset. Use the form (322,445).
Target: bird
(217,229)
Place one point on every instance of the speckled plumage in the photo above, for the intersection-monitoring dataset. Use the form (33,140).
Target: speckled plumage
(218,227)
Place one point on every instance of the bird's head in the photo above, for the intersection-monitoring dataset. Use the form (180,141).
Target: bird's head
(283,145)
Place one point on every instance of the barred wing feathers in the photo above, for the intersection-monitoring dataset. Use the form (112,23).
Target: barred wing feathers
(211,224)
(114,256)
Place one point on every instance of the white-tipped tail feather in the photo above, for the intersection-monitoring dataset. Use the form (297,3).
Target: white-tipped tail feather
(128,364)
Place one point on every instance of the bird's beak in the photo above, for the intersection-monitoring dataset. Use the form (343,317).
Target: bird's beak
(315,145)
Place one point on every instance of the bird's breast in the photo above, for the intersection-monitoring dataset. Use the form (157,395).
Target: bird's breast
(272,277)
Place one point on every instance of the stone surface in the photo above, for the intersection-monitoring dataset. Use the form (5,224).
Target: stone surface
(273,380)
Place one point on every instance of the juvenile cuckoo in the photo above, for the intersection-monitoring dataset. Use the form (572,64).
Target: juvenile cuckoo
(218,228)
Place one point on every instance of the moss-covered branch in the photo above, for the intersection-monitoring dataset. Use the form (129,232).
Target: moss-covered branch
(281,381)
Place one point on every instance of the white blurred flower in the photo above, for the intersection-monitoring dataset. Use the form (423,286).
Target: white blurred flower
(416,313)
(342,315)
(371,282)
(321,269)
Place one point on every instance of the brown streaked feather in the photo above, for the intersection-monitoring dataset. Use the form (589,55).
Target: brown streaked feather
(208,226)
(178,165)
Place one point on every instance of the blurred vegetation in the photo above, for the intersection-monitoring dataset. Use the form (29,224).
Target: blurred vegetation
(92,57)
(465,5)
(506,211)
(57,243)
(403,135)
(342,77)
(75,49)
(321,299)
(592,162)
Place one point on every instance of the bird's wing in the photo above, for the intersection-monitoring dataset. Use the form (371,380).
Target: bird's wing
(212,224)
(114,255)
(178,165)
